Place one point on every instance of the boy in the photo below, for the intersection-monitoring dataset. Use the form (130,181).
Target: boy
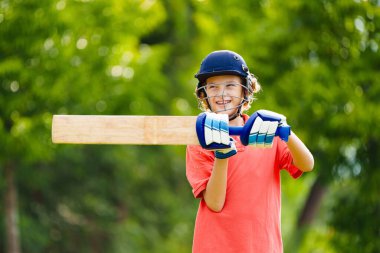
(239,186)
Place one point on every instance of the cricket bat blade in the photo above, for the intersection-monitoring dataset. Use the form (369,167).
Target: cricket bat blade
(137,130)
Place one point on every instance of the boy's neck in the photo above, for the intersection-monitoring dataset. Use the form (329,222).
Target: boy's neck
(238,121)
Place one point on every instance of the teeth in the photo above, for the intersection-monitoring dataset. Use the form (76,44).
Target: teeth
(223,103)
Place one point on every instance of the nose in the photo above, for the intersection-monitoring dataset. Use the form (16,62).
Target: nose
(218,90)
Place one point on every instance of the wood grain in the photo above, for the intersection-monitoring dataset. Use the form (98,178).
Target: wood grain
(134,130)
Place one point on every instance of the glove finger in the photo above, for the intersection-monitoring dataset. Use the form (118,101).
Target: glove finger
(208,129)
(254,131)
(262,133)
(224,134)
(270,134)
(216,129)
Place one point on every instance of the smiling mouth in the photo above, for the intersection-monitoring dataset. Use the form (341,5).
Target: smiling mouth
(224,102)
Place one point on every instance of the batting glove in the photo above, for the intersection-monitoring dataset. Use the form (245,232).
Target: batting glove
(264,128)
(212,132)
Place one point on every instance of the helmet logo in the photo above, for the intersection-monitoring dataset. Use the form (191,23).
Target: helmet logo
(236,57)
(245,68)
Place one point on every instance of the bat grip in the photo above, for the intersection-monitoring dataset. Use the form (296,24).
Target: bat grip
(283,131)
(235,130)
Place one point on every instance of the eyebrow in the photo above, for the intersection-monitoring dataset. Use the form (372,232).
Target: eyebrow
(228,82)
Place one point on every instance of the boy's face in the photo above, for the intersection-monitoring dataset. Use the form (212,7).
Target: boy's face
(225,93)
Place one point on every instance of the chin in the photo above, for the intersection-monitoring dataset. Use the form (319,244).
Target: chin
(229,112)
(222,110)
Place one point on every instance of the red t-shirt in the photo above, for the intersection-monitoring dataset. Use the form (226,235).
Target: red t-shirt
(250,219)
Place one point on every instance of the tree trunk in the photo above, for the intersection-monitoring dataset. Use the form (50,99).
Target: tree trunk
(312,203)
(11,219)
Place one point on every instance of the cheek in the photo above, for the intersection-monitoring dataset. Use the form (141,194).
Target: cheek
(237,93)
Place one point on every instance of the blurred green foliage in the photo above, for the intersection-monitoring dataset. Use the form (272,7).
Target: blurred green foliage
(317,61)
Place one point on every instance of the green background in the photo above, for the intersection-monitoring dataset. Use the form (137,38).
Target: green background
(318,63)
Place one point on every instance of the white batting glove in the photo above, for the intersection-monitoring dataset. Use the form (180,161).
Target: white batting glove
(264,128)
(213,134)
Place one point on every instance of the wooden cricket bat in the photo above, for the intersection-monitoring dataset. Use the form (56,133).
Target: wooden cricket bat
(138,130)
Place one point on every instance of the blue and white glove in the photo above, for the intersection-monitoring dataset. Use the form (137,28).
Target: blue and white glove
(212,131)
(264,128)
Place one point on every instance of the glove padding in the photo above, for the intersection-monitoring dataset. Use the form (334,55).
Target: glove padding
(212,131)
(264,127)
(228,152)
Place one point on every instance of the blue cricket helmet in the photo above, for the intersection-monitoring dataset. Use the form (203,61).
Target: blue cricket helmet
(222,62)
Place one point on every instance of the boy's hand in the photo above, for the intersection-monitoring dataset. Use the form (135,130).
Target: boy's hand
(212,132)
(264,128)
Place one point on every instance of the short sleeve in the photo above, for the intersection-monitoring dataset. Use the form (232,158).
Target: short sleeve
(199,164)
(286,160)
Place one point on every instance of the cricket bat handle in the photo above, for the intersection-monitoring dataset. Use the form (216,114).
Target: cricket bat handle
(283,131)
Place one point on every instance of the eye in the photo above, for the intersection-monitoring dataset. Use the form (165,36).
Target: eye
(210,86)
(231,85)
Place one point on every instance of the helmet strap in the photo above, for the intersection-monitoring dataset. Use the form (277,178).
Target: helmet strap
(237,113)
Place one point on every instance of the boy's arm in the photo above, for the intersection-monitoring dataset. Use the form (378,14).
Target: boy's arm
(213,134)
(263,121)
(302,157)
(215,192)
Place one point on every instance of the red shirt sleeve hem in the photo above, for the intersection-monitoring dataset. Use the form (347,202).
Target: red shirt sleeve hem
(198,191)
(297,174)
